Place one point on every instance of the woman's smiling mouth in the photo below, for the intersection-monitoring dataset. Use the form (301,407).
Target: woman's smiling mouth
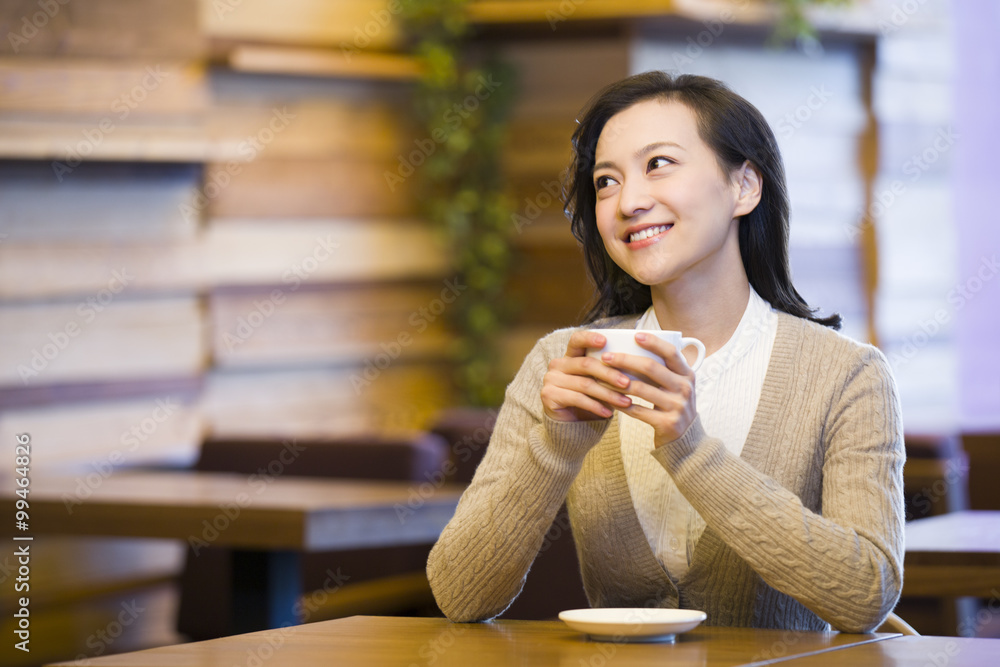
(647,233)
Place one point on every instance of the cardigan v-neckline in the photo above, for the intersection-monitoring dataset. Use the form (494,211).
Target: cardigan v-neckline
(777,382)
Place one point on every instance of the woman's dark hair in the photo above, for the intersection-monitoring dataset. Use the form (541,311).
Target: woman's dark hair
(736,132)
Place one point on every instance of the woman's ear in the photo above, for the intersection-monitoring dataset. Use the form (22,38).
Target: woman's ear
(750,186)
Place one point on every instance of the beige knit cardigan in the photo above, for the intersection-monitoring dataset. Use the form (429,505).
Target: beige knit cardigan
(804,528)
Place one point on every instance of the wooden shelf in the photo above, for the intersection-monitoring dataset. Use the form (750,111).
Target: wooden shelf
(856,20)
(545,11)
(324,62)
(235,253)
(72,141)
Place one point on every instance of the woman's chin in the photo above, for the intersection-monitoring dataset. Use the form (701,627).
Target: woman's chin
(649,278)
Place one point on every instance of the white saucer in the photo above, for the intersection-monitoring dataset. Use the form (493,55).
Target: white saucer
(632,624)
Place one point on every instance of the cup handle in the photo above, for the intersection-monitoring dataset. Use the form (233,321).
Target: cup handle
(701,351)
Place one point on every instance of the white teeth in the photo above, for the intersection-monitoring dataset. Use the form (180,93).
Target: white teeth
(646,233)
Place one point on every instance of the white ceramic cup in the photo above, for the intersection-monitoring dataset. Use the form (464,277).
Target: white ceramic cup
(623,340)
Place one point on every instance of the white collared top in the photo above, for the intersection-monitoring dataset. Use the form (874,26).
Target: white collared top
(727,389)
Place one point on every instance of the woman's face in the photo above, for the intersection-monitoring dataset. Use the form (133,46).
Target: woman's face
(665,210)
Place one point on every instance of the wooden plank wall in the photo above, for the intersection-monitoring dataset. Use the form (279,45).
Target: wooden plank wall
(320,265)
(81,326)
(304,22)
(103,28)
(187,250)
(555,78)
(117,272)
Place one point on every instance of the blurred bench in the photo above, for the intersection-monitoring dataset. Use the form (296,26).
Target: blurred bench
(79,586)
(371,581)
(936,476)
(935,482)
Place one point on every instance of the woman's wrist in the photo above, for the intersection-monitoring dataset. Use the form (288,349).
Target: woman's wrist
(570,441)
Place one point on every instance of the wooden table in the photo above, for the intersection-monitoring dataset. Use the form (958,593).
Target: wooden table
(269,521)
(952,555)
(917,651)
(373,641)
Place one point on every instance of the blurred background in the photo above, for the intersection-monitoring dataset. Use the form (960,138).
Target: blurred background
(261,219)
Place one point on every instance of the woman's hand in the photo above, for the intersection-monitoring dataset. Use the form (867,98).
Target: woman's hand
(581,388)
(670,388)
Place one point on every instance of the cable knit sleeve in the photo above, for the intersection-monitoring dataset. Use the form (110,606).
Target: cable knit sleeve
(842,560)
(479,563)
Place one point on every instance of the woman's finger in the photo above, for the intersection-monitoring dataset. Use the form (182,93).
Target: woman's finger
(646,369)
(590,367)
(662,398)
(667,426)
(672,357)
(588,386)
(563,404)
(583,340)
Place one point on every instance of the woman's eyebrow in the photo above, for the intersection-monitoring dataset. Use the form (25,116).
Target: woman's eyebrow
(648,148)
(604,165)
(656,145)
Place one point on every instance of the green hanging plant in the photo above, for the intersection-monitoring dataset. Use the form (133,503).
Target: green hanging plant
(793,23)
(461,103)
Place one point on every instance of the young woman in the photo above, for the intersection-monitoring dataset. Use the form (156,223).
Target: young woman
(766,489)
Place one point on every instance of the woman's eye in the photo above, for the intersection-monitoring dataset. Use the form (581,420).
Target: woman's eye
(658,162)
(603,182)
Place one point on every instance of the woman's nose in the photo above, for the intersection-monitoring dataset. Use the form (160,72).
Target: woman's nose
(634,198)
